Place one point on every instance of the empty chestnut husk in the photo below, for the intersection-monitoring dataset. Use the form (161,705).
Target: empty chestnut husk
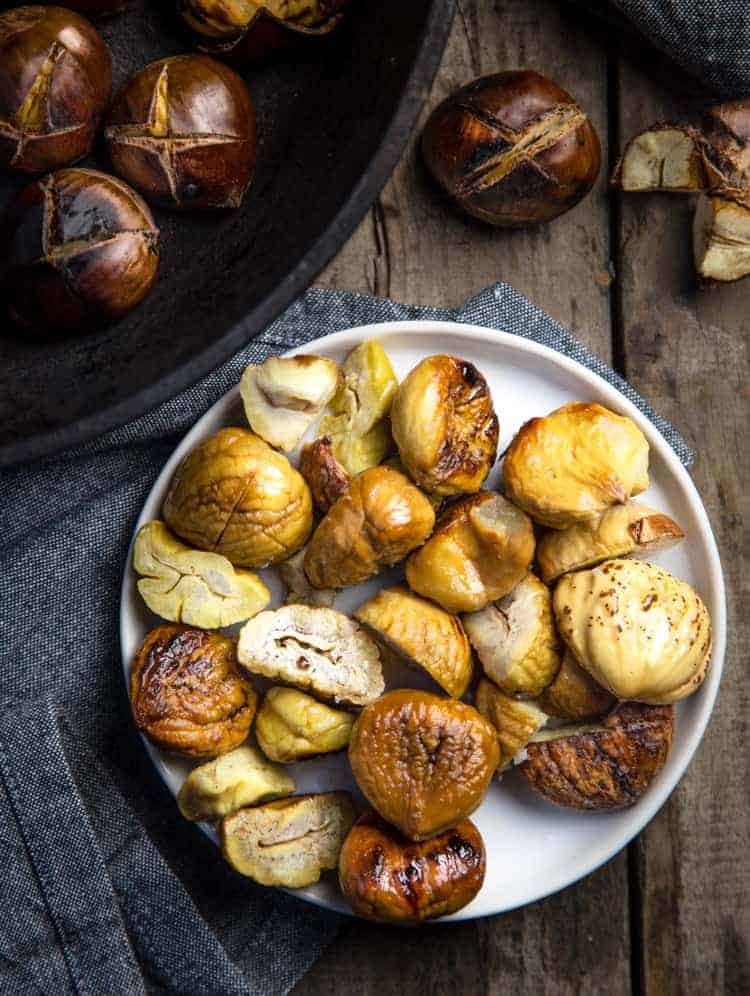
(182,131)
(512,149)
(56,78)
(241,31)
(79,250)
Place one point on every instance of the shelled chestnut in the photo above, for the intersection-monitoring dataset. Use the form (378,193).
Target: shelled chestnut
(79,250)
(249,30)
(56,81)
(512,149)
(182,131)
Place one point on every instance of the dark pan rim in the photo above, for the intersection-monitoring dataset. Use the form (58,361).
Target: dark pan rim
(296,282)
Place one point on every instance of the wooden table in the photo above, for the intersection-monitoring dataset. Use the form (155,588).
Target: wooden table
(670,913)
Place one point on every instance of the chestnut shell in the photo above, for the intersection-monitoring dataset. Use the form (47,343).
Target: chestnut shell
(609,766)
(79,251)
(386,877)
(187,694)
(512,149)
(182,131)
(56,79)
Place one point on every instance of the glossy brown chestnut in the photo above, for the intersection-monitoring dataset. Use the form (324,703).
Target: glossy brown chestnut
(187,694)
(55,79)
(241,31)
(79,250)
(386,877)
(182,131)
(512,149)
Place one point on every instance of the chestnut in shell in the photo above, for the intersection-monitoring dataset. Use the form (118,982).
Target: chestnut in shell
(182,131)
(512,149)
(55,79)
(79,251)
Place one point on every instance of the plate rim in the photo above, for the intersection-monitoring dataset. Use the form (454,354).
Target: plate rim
(649,805)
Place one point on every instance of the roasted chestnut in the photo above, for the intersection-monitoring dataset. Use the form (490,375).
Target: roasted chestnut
(250,30)
(512,149)
(56,79)
(388,878)
(79,251)
(182,131)
(423,762)
(187,694)
(605,766)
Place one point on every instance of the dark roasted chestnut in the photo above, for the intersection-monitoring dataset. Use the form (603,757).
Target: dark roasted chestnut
(187,694)
(386,877)
(79,250)
(249,30)
(182,131)
(55,79)
(512,149)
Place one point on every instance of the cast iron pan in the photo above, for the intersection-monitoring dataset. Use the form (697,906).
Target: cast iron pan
(332,124)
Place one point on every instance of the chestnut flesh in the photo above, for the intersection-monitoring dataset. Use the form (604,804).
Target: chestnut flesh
(512,149)
(387,878)
(56,78)
(79,251)
(182,131)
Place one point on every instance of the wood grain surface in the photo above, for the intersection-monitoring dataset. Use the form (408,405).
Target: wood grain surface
(669,914)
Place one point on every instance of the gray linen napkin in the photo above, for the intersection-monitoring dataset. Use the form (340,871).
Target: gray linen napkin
(708,39)
(105,888)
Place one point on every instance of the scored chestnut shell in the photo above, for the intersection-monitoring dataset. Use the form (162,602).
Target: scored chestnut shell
(182,131)
(79,251)
(241,31)
(386,877)
(512,149)
(56,79)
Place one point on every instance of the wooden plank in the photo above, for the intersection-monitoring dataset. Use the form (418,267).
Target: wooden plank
(415,248)
(687,351)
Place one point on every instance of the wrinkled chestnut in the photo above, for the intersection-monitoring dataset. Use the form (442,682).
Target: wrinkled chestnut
(79,251)
(55,79)
(512,149)
(187,694)
(388,878)
(250,30)
(182,131)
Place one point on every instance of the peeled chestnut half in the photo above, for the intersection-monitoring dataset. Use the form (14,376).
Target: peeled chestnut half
(386,877)
(55,78)
(79,251)
(182,131)
(512,149)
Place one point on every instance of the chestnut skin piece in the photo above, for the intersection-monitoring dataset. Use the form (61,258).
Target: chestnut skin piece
(423,762)
(389,879)
(79,250)
(606,766)
(182,131)
(55,81)
(187,694)
(512,149)
(326,478)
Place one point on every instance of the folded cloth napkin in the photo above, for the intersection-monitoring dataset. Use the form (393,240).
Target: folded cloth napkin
(105,888)
(708,39)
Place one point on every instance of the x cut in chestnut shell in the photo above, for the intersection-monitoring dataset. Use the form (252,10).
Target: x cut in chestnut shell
(246,32)
(182,131)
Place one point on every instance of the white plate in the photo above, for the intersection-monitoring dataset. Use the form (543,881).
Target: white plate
(533,848)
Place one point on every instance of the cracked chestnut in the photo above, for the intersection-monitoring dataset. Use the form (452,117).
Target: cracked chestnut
(79,251)
(387,878)
(55,79)
(187,694)
(512,149)
(182,132)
